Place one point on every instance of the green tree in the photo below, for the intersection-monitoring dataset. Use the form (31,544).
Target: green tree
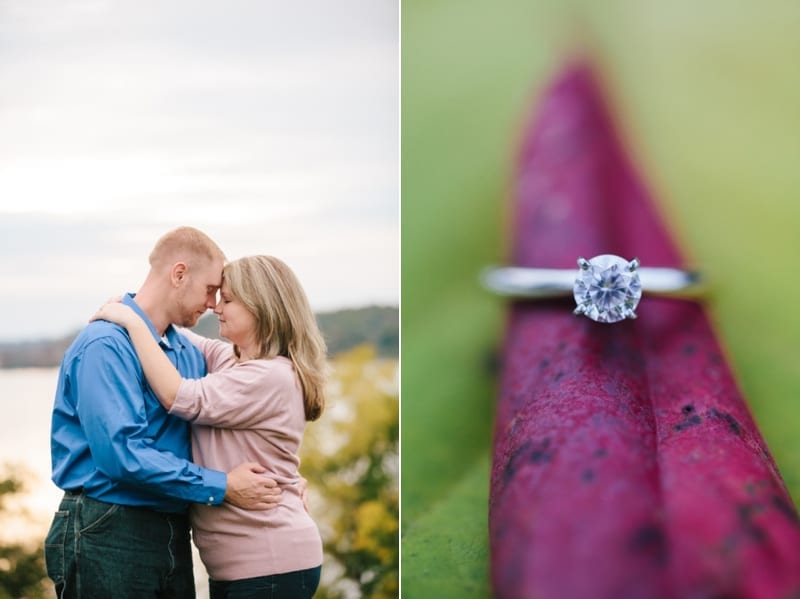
(22,572)
(350,457)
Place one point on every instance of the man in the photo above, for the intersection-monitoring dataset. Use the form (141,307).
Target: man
(122,528)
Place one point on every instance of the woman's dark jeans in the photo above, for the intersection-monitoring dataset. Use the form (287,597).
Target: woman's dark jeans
(102,550)
(292,585)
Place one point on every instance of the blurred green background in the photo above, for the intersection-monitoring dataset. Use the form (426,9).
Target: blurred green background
(708,97)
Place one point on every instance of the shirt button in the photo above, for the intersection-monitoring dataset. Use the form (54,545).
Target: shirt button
(211,499)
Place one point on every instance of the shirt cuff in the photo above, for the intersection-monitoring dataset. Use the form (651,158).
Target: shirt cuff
(185,406)
(216,485)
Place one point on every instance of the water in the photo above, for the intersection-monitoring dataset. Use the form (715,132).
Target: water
(26,398)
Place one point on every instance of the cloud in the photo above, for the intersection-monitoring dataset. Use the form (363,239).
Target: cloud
(272,126)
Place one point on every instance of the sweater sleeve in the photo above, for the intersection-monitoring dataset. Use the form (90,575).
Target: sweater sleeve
(217,354)
(243,396)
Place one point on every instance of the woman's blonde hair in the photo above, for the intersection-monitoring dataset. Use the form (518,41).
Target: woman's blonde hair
(285,324)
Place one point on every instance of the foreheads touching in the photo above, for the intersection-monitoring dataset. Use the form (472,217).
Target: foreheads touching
(186,251)
(272,294)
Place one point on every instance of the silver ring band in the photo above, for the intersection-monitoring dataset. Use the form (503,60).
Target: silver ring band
(606,288)
(544,283)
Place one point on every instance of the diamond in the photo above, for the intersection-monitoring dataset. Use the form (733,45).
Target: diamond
(607,288)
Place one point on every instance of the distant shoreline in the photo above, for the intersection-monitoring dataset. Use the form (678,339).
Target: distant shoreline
(343,329)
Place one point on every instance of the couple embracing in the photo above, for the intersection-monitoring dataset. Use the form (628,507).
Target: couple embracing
(157,431)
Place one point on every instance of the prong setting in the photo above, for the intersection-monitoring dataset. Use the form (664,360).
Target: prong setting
(607,288)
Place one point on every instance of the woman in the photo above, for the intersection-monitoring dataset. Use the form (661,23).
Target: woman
(254,403)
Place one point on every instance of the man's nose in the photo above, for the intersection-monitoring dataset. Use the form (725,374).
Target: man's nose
(212,302)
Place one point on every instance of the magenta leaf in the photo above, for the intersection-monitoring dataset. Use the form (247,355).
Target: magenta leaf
(626,462)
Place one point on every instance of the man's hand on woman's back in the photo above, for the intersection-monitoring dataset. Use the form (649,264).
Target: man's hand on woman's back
(249,489)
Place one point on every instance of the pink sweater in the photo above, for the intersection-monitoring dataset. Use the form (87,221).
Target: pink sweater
(251,411)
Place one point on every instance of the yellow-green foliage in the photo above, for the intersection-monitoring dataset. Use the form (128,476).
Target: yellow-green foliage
(22,571)
(350,458)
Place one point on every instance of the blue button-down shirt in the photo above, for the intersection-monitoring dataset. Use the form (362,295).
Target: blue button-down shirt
(110,434)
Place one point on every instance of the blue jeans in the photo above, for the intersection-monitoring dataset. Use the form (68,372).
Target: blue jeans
(300,584)
(101,550)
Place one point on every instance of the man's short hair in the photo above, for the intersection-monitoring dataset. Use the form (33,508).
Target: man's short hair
(183,243)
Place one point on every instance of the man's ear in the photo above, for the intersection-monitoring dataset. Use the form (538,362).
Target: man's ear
(178,273)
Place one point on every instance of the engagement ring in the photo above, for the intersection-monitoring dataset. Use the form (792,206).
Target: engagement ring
(606,288)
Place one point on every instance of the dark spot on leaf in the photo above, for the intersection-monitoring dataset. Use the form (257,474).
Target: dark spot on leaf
(746,510)
(541,454)
(601,452)
(559,375)
(587,475)
(688,422)
(733,424)
(786,508)
(757,533)
(528,453)
(492,362)
(746,513)
(650,540)
(688,409)
(715,359)
(544,363)
(689,349)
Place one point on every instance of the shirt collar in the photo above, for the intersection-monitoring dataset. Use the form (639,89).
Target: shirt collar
(173,339)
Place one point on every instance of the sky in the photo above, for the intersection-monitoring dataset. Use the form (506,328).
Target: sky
(272,126)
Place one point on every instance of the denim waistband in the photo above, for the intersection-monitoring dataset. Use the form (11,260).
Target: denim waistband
(73,494)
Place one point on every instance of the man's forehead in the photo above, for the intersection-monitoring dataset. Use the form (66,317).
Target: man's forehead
(212,273)
(216,278)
